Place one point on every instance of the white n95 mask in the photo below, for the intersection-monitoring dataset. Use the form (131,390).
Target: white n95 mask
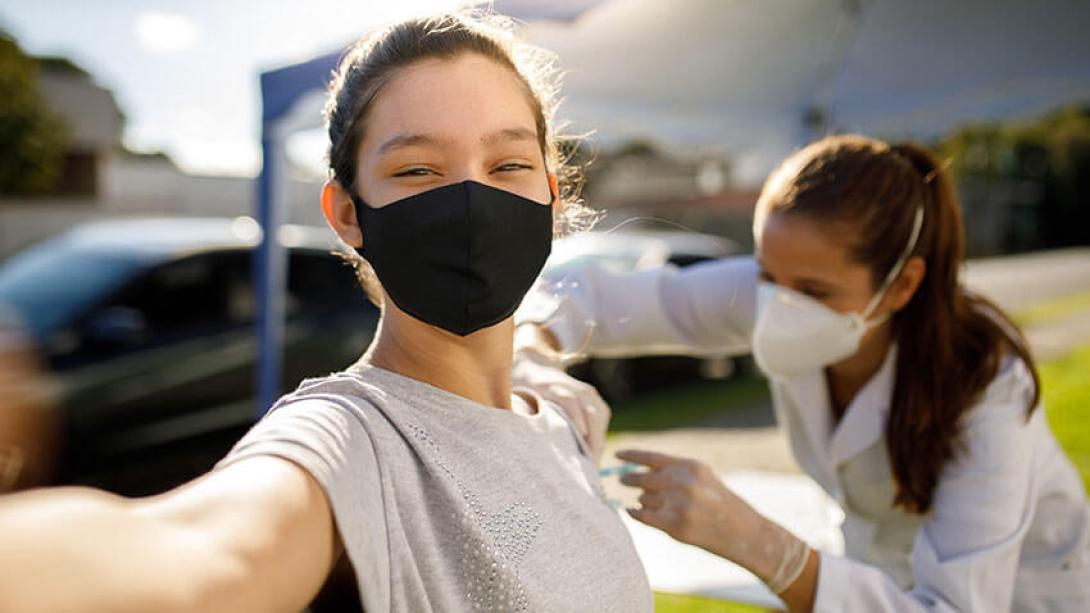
(796,333)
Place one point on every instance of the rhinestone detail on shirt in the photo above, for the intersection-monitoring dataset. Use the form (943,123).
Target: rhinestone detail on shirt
(489,570)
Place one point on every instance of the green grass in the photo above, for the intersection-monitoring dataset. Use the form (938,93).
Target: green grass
(688,404)
(1047,312)
(675,603)
(1065,383)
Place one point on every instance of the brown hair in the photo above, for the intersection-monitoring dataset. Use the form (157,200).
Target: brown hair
(374,61)
(950,341)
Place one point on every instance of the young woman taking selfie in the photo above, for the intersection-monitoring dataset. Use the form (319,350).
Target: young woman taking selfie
(446,490)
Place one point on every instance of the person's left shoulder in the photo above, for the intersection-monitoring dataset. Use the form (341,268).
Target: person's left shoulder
(1010,392)
(1003,423)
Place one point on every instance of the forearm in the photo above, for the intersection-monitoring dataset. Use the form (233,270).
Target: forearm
(533,339)
(82,549)
(776,556)
(706,309)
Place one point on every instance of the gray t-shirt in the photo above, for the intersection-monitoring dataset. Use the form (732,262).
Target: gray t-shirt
(444,504)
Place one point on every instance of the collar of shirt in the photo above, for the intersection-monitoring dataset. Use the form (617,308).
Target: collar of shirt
(863,422)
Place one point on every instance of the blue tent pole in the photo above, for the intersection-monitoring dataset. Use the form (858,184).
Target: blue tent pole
(269,271)
(280,90)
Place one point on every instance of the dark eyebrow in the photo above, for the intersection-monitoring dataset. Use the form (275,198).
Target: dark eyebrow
(508,135)
(407,140)
(402,141)
(807,281)
(816,283)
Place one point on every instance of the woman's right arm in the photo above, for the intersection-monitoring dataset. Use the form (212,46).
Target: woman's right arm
(257,535)
(703,309)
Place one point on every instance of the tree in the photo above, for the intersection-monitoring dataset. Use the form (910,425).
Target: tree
(1051,153)
(32,139)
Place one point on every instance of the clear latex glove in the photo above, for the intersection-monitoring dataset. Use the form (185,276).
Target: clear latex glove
(552,306)
(688,501)
(539,373)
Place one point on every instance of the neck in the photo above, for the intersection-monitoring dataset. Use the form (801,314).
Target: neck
(476,367)
(849,376)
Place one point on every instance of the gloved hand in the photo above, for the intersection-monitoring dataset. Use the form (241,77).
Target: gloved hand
(542,374)
(688,501)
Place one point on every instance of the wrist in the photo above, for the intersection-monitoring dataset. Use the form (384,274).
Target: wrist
(739,533)
(792,564)
(766,549)
(537,343)
(779,557)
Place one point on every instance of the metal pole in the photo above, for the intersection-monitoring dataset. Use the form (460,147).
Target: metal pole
(269,265)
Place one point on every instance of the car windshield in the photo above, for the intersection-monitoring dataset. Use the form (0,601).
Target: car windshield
(51,284)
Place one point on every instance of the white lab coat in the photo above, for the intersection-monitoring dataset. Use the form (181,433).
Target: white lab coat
(1010,525)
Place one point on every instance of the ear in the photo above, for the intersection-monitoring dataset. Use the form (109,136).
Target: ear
(340,213)
(904,288)
(554,187)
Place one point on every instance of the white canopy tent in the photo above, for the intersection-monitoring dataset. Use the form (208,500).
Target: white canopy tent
(748,77)
(752,78)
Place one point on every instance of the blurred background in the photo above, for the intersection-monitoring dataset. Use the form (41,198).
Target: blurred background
(131,147)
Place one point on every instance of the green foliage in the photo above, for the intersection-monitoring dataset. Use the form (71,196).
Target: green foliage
(688,404)
(638,148)
(1051,155)
(32,139)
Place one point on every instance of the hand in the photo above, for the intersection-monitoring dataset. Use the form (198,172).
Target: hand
(579,401)
(29,420)
(688,501)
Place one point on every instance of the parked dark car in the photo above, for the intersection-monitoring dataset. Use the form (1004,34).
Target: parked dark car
(148,325)
(628,251)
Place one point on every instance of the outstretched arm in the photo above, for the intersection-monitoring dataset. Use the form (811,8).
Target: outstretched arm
(257,535)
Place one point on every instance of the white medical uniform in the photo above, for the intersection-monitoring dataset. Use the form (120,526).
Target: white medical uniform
(1010,524)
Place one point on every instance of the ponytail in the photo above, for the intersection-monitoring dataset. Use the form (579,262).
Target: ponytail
(951,344)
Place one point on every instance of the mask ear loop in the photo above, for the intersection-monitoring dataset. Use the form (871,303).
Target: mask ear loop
(917,226)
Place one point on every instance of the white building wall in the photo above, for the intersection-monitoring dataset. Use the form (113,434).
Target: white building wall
(143,186)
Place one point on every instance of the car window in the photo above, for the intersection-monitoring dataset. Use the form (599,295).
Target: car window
(190,297)
(320,283)
(53,284)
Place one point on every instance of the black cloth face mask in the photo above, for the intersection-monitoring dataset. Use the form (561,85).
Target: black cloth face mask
(460,257)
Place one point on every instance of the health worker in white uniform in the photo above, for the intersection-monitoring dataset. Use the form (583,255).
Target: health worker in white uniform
(911,401)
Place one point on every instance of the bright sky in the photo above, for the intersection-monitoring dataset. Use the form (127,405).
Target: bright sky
(186,73)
